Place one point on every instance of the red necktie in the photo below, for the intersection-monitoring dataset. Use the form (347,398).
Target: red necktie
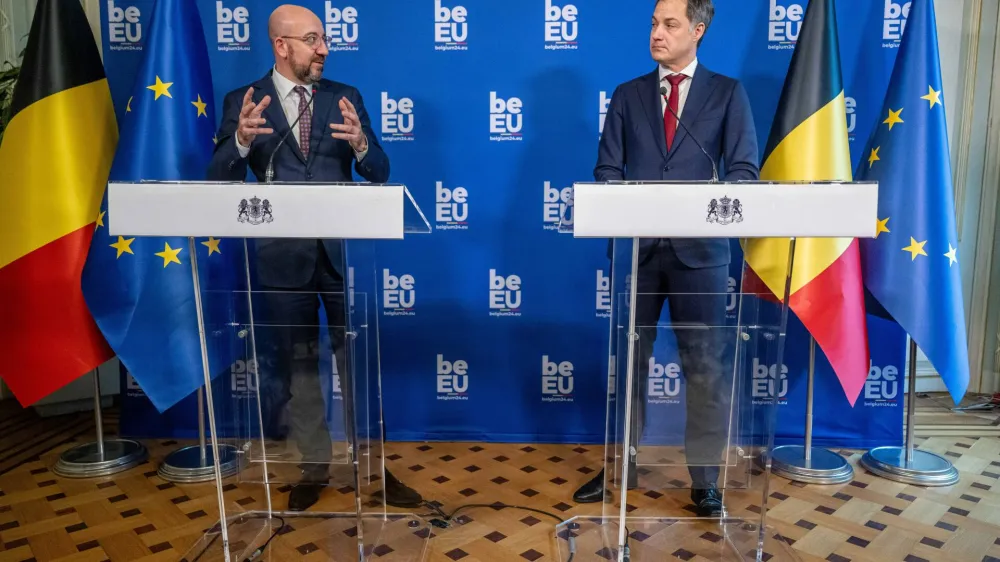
(305,122)
(673,102)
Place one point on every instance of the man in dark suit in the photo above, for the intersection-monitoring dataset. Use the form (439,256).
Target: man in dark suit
(642,142)
(295,276)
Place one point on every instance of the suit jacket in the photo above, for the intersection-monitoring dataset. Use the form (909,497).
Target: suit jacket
(291,263)
(633,146)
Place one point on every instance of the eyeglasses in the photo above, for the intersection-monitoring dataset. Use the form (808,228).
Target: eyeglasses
(312,40)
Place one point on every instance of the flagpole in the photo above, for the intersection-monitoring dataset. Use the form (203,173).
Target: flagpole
(907,464)
(805,463)
(102,457)
(196,463)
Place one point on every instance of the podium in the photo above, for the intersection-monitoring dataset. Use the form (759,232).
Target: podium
(300,401)
(695,365)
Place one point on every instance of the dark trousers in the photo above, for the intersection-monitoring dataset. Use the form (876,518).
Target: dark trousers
(697,301)
(288,335)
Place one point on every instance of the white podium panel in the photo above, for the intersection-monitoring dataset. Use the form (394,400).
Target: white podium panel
(724,210)
(226,210)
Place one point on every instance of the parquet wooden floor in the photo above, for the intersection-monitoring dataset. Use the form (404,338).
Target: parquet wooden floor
(135,516)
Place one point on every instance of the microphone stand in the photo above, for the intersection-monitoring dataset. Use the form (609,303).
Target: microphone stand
(269,172)
(715,169)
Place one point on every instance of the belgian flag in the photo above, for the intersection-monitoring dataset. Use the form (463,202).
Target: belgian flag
(809,142)
(56,155)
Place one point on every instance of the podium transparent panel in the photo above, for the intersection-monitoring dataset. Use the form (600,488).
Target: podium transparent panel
(301,407)
(694,359)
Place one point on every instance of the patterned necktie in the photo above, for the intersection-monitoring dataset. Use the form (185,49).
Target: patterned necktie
(305,122)
(673,102)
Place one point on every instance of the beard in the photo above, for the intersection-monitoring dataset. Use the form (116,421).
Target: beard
(305,71)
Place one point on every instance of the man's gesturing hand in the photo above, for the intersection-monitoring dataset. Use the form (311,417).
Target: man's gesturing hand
(250,120)
(350,129)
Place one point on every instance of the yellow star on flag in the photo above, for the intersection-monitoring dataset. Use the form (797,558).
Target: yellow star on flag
(201,107)
(952,255)
(100,220)
(123,245)
(915,248)
(169,255)
(215,139)
(213,245)
(874,157)
(893,118)
(128,106)
(932,96)
(883,226)
(161,89)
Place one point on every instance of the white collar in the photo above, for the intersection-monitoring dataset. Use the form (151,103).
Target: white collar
(284,87)
(686,71)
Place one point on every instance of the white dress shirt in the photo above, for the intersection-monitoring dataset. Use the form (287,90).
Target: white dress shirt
(289,99)
(685,86)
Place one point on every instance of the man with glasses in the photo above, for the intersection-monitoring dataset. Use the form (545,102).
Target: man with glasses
(330,132)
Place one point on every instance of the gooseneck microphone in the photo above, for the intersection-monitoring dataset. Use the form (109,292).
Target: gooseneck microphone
(715,170)
(269,173)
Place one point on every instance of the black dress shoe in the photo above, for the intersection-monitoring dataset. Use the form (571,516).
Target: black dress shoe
(593,491)
(707,501)
(398,494)
(304,495)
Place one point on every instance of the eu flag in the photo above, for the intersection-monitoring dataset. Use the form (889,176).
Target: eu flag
(911,267)
(140,290)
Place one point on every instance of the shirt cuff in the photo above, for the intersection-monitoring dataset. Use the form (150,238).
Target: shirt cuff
(243,150)
(361,155)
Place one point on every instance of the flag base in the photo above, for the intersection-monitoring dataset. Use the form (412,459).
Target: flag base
(924,469)
(91,460)
(823,466)
(185,465)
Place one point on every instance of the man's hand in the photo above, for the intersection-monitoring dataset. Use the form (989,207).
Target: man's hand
(250,120)
(350,130)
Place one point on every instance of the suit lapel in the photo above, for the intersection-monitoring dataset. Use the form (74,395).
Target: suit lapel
(701,88)
(321,110)
(649,92)
(275,115)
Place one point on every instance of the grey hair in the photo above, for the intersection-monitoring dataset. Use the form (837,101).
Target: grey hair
(699,11)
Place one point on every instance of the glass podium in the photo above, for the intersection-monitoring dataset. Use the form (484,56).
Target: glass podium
(302,407)
(695,361)
(305,410)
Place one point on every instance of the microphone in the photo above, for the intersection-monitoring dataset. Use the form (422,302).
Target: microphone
(269,173)
(715,170)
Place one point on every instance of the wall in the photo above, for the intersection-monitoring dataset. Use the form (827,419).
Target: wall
(987,278)
(21,13)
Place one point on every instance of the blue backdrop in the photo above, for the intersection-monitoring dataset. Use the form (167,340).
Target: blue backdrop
(488,111)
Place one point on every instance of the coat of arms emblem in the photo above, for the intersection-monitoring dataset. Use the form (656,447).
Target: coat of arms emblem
(725,211)
(255,211)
